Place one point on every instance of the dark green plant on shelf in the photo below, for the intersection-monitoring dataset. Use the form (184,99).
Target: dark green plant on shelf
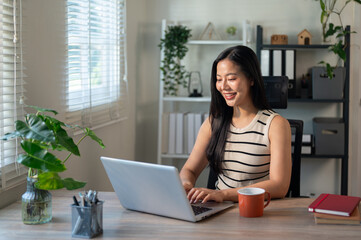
(175,49)
(40,136)
(329,29)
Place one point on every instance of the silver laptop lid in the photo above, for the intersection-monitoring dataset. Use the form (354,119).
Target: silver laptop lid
(149,188)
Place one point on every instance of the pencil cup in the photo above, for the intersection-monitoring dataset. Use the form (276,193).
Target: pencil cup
(87,222)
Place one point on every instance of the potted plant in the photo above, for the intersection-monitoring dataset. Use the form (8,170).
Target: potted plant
(328,8)
(175,49)
(41,135)
(231,31)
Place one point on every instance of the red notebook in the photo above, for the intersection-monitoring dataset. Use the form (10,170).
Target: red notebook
(334,204)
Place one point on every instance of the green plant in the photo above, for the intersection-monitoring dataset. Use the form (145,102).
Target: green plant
(231,30)
(40,134)
(175,49)
(328,8)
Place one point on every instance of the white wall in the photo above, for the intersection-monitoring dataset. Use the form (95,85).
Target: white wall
(276,17)
(355,129)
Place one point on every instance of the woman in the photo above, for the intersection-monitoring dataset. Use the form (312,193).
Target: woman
(243,140)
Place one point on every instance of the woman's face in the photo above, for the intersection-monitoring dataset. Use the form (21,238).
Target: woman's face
(233,84)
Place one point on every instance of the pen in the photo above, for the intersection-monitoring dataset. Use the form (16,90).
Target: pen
(75,201)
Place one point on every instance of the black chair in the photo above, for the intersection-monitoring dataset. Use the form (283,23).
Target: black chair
(297,131)
(277,95)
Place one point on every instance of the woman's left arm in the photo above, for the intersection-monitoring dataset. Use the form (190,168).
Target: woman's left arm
(281,158)
(280,167)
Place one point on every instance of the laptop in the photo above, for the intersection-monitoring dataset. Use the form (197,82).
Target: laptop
(155,189)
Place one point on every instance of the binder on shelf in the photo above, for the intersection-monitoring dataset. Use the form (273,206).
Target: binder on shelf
(190,132)
(179,134)
(172,133)
(165,132)
(265,62)
(290,71)
(277,62)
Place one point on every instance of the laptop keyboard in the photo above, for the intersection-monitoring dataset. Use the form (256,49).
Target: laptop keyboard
(198,210)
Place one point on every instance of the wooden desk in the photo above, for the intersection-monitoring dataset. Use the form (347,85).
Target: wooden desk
(283,219)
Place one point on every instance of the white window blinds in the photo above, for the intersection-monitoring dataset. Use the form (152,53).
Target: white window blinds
(11,91)
(96,73)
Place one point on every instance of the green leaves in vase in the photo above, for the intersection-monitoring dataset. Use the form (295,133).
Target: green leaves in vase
(40,134)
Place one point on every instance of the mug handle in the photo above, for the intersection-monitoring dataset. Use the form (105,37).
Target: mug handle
(268,199)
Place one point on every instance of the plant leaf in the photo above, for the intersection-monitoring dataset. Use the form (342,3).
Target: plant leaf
(11,135)
(329,70)
(49,181)
(330,31)
(92,135)
(71,184)
(55,122)
(52,181)
(39,158)
(35,128)
(39,109)
(67,142)
(322,4)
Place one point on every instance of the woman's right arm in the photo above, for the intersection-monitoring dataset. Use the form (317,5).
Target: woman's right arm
(197,160)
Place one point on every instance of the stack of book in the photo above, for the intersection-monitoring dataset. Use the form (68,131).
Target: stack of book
(336,209)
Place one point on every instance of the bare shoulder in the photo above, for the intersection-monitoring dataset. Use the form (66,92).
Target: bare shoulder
(279,121)
(279,125)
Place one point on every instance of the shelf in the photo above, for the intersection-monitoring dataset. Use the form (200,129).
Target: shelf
(187,99)
(321,156)
(344,102)
(181,156)
(215,42)
(295,46)
(310,100)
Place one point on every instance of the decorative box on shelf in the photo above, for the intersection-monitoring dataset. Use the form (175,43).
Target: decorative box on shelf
(329,135)
(325,88)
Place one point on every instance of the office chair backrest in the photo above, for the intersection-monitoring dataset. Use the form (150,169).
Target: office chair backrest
(297,131)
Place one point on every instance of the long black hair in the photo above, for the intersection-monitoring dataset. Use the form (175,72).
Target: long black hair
(220,113)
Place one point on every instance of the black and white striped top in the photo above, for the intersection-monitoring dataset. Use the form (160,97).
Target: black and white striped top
(247,153)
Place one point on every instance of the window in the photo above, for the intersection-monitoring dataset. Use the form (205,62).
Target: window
(96,72)
(11,91)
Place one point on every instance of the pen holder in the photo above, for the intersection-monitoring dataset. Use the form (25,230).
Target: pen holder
(87,222)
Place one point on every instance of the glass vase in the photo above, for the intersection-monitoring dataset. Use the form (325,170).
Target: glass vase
(35,204)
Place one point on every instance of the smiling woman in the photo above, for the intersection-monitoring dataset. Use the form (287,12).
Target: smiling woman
(244,141)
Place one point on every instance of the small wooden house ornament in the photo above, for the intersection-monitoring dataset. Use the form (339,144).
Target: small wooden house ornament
(304,37)
(279,39)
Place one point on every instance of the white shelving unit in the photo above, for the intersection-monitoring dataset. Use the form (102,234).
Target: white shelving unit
(171,101)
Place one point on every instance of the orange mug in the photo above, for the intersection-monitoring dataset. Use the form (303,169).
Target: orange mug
(251,201)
